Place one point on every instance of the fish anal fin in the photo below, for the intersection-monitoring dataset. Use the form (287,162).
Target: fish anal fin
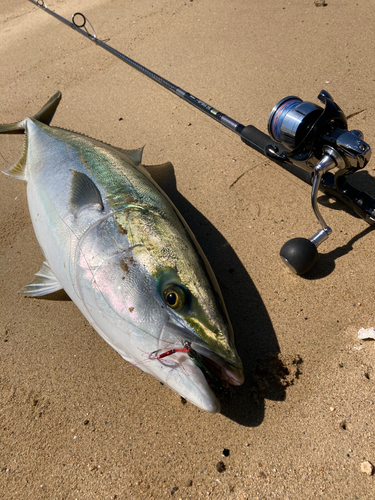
(83,194)
(44,283)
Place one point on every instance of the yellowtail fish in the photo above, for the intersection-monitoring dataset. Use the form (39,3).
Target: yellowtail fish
(121,251)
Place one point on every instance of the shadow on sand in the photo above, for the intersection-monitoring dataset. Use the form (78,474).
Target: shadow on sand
(266,373)
(326,262)
(266,376)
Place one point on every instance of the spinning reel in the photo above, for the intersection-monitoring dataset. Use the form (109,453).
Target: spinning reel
(309,142)
(318,141)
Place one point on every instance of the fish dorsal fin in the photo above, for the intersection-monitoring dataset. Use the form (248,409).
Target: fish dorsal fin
(19,169)
(83,194)
(44,283)
(135,155)
(163,175)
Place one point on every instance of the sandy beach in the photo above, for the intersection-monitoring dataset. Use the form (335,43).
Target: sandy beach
(76,420)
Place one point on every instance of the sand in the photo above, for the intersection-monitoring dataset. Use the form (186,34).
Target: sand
(75,421)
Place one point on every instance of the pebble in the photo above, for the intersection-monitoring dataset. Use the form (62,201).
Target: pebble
(366,333)
(367,468)
(220,467)
(343,425)
(188,483)
(225,452)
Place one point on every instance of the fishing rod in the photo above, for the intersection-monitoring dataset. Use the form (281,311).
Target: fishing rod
(306,139)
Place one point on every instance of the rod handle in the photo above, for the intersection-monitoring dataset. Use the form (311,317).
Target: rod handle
(255,138)
(258,140)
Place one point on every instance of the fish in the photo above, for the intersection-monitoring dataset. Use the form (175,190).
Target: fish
(119,248)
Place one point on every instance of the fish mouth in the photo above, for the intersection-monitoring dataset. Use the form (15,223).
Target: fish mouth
(217,370)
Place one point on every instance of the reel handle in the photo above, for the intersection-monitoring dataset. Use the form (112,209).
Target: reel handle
(300,254)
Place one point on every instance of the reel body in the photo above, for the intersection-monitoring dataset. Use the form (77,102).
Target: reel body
(315,139)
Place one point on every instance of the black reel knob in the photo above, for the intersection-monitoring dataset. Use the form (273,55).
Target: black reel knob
(299,254)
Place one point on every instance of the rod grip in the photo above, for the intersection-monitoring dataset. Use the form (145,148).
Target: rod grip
(254,138)
(258,140)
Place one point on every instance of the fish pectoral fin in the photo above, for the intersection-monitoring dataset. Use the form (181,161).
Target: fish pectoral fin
(44,283)
(83,194)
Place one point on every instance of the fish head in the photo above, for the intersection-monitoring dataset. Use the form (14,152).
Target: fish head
(152,299)
(183,286)
(197,315)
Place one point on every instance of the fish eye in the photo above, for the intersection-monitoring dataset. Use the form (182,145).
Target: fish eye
(174,297)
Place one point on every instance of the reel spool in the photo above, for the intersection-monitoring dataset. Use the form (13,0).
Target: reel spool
(291,120)
(316,139)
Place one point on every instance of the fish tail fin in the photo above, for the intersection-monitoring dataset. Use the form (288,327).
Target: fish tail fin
(12,128)
(19,169)
(44,115)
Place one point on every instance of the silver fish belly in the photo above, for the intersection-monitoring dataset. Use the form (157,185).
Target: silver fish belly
(122,252)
